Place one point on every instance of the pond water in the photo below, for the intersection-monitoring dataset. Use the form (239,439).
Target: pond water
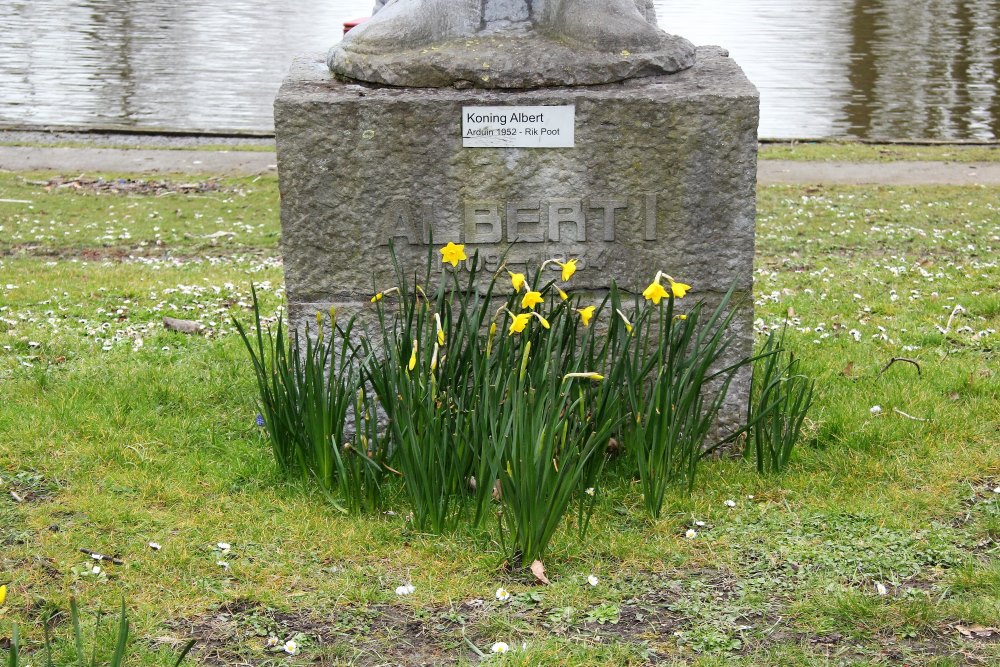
(877,69)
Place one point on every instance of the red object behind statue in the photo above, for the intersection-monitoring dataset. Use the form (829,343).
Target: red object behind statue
(354,22)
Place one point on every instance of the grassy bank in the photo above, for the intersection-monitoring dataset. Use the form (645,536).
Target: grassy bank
(852,151)
(115,433)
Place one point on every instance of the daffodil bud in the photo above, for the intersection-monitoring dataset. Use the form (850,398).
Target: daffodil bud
(524,358)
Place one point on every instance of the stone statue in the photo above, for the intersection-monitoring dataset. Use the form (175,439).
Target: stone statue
(509,44)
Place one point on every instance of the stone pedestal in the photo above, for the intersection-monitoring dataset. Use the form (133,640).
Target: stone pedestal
(661,177)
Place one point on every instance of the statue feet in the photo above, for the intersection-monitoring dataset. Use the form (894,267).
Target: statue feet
(411,24)
(604,25)
(508,44)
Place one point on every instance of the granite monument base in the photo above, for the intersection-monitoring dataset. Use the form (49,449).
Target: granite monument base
(651,174)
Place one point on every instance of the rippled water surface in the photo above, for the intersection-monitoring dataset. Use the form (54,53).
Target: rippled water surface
(861,68)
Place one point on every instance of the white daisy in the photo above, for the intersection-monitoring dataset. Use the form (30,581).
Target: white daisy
(500,647)
(691,533)
(593,580)
(503,594)
(290,647)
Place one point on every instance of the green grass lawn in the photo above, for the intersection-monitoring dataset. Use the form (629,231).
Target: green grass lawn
(115,433)
(847,151)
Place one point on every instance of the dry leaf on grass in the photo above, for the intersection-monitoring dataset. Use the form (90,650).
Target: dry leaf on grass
(538,570)
(976,631)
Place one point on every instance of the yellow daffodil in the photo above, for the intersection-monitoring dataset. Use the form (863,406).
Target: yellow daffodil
(586,314)
(3,594)
(545,322)
(531,299)
(562,294)
(413,356)
(655,292)
(518,323)
(434,357)
(319,319)
(568,268)
(679,289)
(517,280)
(628,325)
(333,316)
(586,376)
(453,253)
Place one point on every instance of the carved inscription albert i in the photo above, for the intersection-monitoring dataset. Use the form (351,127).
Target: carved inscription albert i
(528,230)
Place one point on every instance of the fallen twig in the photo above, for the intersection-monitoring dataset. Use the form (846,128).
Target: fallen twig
(954,311)
(916,419)
(895,359)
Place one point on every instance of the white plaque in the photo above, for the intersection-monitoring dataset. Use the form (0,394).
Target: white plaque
(519,127)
